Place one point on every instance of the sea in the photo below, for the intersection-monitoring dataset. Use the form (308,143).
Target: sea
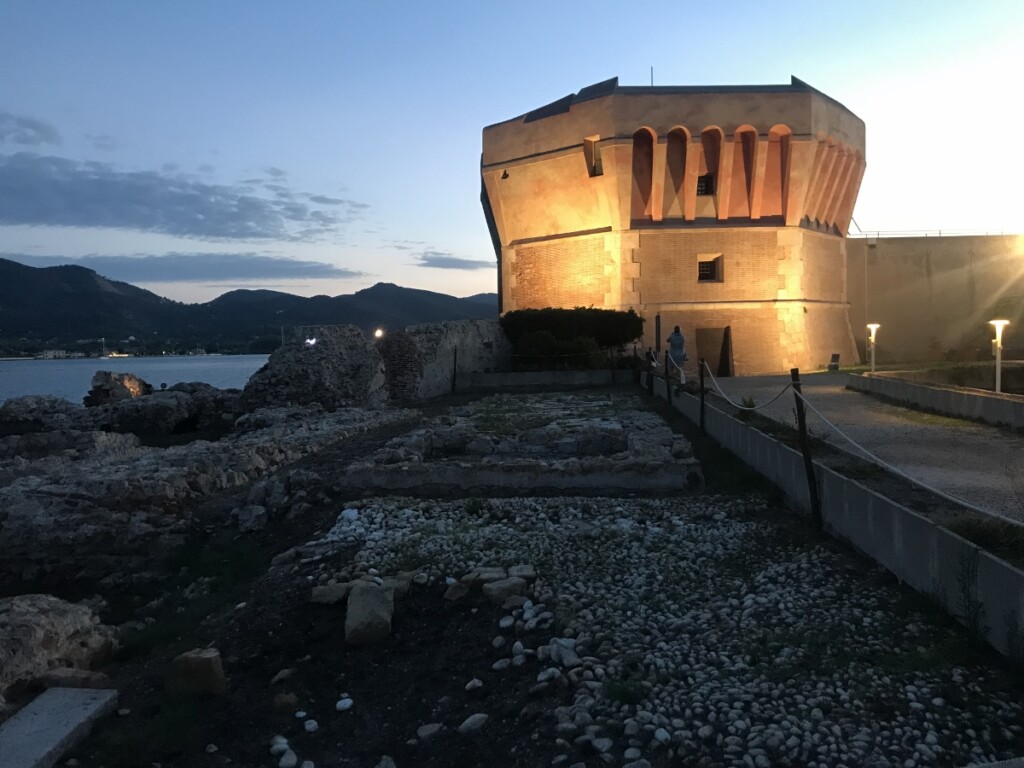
(71,379)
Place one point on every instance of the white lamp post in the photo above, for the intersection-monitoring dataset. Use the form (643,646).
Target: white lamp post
(998,344)
(873,327)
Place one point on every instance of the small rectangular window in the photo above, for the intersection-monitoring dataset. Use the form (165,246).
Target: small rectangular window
(706,184)
(592,154)
(709,269)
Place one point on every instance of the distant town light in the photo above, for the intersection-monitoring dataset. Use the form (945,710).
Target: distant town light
(379,333)
(311,342)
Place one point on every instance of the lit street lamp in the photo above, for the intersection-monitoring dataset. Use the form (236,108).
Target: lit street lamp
(379,333)
(873,327)
(998,345)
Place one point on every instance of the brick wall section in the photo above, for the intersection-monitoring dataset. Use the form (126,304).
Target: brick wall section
(570,272)
(403,366)
(668,265)
(782,294)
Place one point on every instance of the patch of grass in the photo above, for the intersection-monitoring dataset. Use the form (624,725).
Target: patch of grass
(229,559)
(629,692)
(929,418)
(177,728)
(1004,540)
(955,649)
(228,562)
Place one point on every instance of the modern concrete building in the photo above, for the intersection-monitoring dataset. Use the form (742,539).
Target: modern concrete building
(720,209)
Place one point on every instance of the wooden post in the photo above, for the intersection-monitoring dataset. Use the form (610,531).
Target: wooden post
(650,372)
(455,366)
(668,380)
(805,448)
(700,367)
(636,366)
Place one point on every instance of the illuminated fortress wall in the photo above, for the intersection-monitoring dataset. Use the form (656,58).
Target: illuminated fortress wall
(720,209)
(935,295)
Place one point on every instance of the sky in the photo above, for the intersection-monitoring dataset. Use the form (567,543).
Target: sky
(194,147)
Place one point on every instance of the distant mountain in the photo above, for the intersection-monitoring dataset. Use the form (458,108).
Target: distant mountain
(483,298)
(55,306)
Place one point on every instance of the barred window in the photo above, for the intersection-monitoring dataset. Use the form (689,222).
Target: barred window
(706,184)
(709,270)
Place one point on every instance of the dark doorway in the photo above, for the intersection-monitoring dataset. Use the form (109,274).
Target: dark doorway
(715,346)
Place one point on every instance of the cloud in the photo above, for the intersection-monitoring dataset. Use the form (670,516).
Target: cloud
(103,142)
(445,260)
(277,173)
(18,129)
(42,190)
(325,200)
(194,267)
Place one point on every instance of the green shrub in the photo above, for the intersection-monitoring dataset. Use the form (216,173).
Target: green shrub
(540,350)
(607,327)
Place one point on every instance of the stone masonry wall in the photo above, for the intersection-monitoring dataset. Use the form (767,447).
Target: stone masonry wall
(481,346)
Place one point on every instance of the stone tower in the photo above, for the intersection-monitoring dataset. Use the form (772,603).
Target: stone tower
(722,209)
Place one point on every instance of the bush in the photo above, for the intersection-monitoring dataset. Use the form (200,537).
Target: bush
(540,350)
(606,327)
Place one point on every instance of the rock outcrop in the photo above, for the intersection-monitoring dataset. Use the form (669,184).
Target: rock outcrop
(108,385)
(182,408)
(335,366)
(114,508)
(41,632)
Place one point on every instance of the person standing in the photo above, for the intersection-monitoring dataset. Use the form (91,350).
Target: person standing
(677,352)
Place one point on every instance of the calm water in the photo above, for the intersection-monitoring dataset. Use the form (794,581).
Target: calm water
(71,379)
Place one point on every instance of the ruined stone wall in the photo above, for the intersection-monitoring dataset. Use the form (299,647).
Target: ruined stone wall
(478,345)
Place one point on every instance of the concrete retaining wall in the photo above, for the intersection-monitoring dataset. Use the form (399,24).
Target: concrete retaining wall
(999,410)
(964,578)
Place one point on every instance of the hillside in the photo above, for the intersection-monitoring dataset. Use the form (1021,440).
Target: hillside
(56,306)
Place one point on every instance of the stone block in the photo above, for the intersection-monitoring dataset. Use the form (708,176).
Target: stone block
(498,591)
(198,672)
(69,677)
(330,594)
(53,724)
(368,619)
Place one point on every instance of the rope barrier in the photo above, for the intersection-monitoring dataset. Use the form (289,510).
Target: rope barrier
(737,405)
(562,354)
(904,475)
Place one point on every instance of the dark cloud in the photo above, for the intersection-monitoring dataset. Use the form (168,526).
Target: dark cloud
(54,191)
(445,260)
(194,267)
(27,131)
(277,173)
(103,142)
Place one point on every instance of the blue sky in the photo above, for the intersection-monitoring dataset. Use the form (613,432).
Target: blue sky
(321,147)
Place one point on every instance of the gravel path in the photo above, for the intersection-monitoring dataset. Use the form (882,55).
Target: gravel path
(973,462)
(718,630)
